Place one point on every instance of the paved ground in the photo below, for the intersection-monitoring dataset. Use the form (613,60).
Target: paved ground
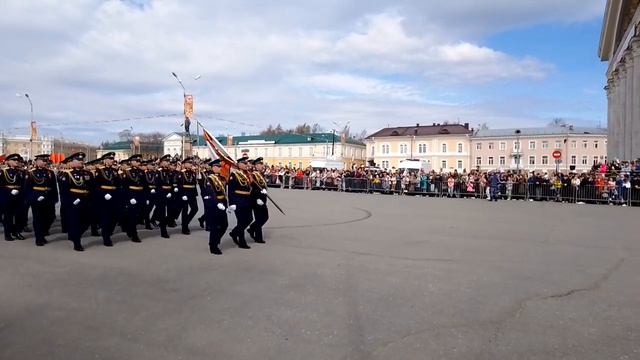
(342,276)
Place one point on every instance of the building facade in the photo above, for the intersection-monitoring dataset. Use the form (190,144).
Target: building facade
(445,147)
(620,46)
(292,150)
(22,144)
(532,148)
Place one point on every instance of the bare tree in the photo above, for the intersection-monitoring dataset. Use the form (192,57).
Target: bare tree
(557,122)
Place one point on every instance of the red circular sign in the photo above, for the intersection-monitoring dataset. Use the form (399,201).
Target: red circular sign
(557,154)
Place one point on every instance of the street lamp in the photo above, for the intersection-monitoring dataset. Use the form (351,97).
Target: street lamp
(187,120)
(333,138)
(518,150)
(31,124)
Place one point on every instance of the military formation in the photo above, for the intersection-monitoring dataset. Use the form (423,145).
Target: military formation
(102,195)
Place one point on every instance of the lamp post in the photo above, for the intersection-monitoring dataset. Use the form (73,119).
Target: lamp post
(187,120)
(31,123)
(518,150)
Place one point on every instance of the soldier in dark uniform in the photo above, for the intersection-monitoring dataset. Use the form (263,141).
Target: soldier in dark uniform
(204,172)
(258,201)
(63,166)
(215,202)
(108,201)
(22,217)
(11,197)
(187,183)
(41,190)
(164,193)
(174,206)
(75,184)
(133,192)
(90,166)
(150,177)
(240,201)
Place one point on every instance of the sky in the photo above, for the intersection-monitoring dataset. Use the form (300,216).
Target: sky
(93,67)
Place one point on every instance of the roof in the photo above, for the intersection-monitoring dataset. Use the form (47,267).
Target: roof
(119,145)
(281,139)
(418,130)
(540,131)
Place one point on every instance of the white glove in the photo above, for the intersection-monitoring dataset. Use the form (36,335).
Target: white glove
(15,192)
(168,196)
(153,191)
(185,198)
(206,198)
(175,189)
(76,202)
(41,198)
(260,202)
(231,209)
(107,197)
(264,191)
(221,207)
(133,201)
(147,202)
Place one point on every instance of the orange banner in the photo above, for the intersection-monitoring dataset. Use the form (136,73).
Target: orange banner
(188,107)
(34,131)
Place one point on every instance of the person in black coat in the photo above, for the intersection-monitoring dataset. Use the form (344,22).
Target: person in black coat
(41,190)
(188,189)
(258,201)
(215,206)
(240,201)
(107,197)
(75,184)
(133,195)
(12,197)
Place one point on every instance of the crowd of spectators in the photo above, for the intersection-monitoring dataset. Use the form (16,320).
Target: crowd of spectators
(616,182)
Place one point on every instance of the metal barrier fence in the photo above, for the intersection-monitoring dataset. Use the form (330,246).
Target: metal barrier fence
(588,194)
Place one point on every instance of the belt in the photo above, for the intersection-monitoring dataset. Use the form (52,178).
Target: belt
(221,197)
(189,186)
(241,192)
(40,188)
(105,187)
(152,186)
(167,187)
(79,191)
(12,186)
(136,188)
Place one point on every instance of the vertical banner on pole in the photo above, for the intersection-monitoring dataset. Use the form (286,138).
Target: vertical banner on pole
(188,111)
(34,131)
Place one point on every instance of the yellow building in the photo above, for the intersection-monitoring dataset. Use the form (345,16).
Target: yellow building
(444,147)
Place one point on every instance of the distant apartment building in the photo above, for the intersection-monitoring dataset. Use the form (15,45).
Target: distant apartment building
(22,144)
(533,148)
(444,146)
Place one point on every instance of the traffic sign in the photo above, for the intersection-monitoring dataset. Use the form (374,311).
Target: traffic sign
(557,154)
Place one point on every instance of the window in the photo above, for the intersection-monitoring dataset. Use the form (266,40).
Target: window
(290,153)
(478,146)
(574,144)
(478,161)
(444,163)
(422,148)
(299,152)
(385,164)
(516,145)
(584,160)
(460,148)
(373,151)
(490,160)
(585,144)
(595,160)
(503,161)
(532,145)
(595,144)
(385,149)
(310,151)
(491,146)
(403,148)
(573,160)
(503,146)
(459,164)
(558,144)
(444,148)
(545,144)
(532,160)
(545,160)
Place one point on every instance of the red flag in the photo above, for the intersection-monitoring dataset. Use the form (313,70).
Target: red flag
(227,162)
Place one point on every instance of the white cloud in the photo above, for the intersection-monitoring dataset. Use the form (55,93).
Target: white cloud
(90,59)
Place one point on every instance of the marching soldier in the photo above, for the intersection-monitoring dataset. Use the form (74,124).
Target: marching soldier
(215,201)
(204,172)
(133,190)
(187,182)
(258,201)
(107,197)
(90,166)
(41,195)
(163,195)
(75,184)
(22,217)
(240,202)
(174,206)
(11,197)
(150,177)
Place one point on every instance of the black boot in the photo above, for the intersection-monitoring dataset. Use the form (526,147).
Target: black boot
(135,239)
(8,237)
(108,243)
(215,250)
(78,247)
(18,236)
(163,232)
(201,221)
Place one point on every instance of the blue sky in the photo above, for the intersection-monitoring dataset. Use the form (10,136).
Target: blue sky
(365,63)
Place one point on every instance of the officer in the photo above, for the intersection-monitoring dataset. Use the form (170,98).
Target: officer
(164,193)
(174,206)
(150,177)
(11,197)
(22,217)
(62,168)
(215,201)
(187,184)
(240,201)
(203,172)
(133,190)
(258,201)
(91,166)
(41,191)
(75,184)
(107,197)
